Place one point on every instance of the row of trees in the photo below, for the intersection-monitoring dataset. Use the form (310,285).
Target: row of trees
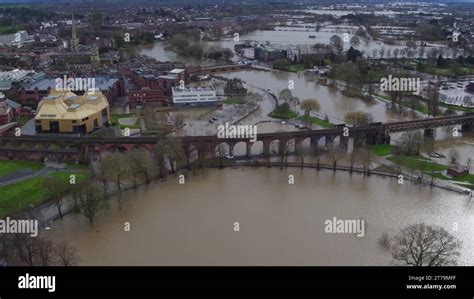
(114,173)
(334,153)
(25,250)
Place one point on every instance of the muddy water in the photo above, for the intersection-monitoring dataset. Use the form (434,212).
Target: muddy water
(280,224)
(333,103)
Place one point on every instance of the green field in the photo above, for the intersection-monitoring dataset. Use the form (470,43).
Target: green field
(10,166)
(10,29)
(438,175)
(316,121)
(382,149)
(19,196)
(296,68)
(285,115)
(232,101)
(470,186)
(465,178)
(448,72)
(455,107)
(418,163)
(291,68)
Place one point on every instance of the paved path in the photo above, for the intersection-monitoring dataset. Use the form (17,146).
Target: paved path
(43,172)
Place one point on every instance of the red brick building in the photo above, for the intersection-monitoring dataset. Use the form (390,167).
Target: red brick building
(154,89)
(146,95)
(6,114)
(34,92)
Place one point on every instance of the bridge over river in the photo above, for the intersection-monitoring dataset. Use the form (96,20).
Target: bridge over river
(67,148)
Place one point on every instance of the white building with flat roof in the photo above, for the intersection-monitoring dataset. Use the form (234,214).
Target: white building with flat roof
(194,96)
(454,93)
(15,38)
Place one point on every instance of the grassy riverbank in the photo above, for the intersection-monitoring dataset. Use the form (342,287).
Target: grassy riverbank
(316,121)
(382,149)
(294,68)
(283,114)
(10,166)
(17,197)
(417,163)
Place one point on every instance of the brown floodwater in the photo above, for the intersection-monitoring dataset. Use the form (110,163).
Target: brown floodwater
(280,224)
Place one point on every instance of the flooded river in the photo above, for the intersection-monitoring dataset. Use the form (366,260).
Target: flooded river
(280,224)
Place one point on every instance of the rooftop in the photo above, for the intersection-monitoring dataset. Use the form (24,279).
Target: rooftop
(176,71)
(193,89)
(67,105)
(101,83)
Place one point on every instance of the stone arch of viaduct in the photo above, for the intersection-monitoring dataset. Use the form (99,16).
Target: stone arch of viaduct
(80,148)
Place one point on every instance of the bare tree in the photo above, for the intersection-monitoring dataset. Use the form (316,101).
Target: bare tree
(24,249)
(353,157)
(318,155)
(44,251)
(90,201)
(116,168)
(366,154)
(221,152)
(272,148)
(358,118)
(335,153)
(302,152)
(56,188)
(289,148)
(169,148)
(410,141)
(309,105)
(7,252)
(66,255)
(102,175)
(336,42)
(141,164)
(424,245)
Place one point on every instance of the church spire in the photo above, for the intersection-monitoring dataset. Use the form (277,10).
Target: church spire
(74,36)
(74,42)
